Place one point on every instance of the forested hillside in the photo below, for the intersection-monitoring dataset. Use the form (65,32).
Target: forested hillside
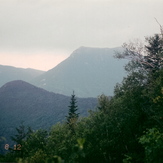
(37,108)
(126,128)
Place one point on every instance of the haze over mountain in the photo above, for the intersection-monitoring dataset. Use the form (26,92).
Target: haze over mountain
(9,73)
(88,71)
(38,108)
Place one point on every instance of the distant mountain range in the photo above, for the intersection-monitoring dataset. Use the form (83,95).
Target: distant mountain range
(38,108)
(88,71)
(9,73)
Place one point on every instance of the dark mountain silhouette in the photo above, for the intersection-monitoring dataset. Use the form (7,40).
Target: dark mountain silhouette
(88,71)
(9,73)
(38,108)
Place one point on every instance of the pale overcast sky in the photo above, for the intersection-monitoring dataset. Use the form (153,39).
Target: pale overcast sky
(41,33)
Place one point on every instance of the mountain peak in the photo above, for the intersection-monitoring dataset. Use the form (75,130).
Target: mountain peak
(92,51)
(18,86)
(15,83)
(88,71)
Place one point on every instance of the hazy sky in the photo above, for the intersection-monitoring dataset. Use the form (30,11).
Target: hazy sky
(41,33)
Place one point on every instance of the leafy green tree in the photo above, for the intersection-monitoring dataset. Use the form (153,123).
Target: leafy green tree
(33,148)
(61,142)
(139,96)
(103,103)
(36,140)
(152,140)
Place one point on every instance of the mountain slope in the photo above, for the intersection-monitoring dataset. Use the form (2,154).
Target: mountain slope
(38,108)
(9,73)
(88,71)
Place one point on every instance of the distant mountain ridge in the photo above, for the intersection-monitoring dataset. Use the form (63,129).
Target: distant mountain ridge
(88,71)
(38,108)
(10,73)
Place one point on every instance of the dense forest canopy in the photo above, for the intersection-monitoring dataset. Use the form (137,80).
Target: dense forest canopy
(125,128)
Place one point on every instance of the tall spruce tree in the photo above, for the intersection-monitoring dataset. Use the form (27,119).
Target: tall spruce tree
(72,115)
(154,56)
(20,138)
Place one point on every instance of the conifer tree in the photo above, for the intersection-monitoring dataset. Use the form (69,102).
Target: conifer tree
(21,134)
(154,55)
(72,115)
(20,138)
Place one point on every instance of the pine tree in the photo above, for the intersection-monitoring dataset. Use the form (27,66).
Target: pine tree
(154,56)
(21,134)
(147,59)
(72,115)
(20,138)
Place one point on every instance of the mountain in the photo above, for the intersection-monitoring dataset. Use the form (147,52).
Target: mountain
(9,73)
(88,71)
(38,108)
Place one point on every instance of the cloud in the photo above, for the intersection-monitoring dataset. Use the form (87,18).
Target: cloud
(34,26)
(69,24)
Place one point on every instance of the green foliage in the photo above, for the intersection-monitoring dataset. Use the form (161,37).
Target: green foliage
(152,140)
(36,140)
(127,159)
(146,59)
(21,134)
(154,54)
(38,157)
(61,142)
(103,102)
